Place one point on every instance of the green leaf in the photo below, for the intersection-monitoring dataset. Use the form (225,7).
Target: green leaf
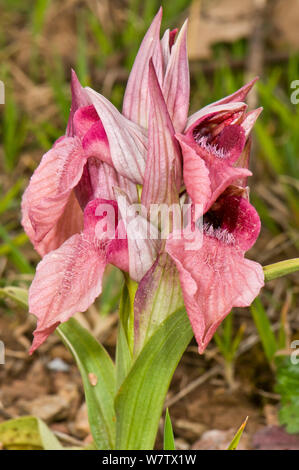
(235,442)
(168,433)
(140,399)
(17,294)
(27,432)
(98,375)
(263,326)
(273,271)
(287,386)
(158,296)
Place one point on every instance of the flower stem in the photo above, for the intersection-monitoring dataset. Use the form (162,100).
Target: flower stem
(273,271)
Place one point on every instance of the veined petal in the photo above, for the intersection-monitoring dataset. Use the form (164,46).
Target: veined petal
(214,279)
(136,99)
(162,178)
(238,217)
(176,84)
(127,140)
(50,187)
(215,111)
(84,118)
(69,223)
(143,237)
(220,172)
(67,281)
(239,95)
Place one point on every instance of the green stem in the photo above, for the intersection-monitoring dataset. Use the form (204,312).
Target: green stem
(273,271)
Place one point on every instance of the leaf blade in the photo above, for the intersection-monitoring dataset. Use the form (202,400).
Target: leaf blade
(92,358)
(141,396)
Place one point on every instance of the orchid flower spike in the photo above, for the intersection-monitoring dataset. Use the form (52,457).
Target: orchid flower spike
(78,208)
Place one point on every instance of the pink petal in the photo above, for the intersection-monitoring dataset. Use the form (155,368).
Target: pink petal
(90,129)
(239,95)
(243,162)
(250,119)
(127,141)
(136,99)
(79,98)
(102,224)
(83,119)
(99,180)
(143,238)
(162,178)
(50,187)
(232,141)
(118,254)
(214,279)
(220,112)
(196,176)
(67,281)
(221,173)
(176,84)
(69,223)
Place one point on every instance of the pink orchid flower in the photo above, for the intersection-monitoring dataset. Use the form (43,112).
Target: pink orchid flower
(153,143)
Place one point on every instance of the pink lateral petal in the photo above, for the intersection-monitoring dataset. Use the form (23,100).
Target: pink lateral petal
(84,118)
(50,187)
(127,140)
(136,99)
(239,218)
(221,173)
(163,165)
(239,95)
(214,279)
(67,281)
(176,84)
(196,176)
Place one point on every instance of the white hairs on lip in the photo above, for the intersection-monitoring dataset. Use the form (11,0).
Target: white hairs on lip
(222,235)
(212,148)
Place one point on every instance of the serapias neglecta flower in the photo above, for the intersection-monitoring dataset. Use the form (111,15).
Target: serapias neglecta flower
(202,160)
